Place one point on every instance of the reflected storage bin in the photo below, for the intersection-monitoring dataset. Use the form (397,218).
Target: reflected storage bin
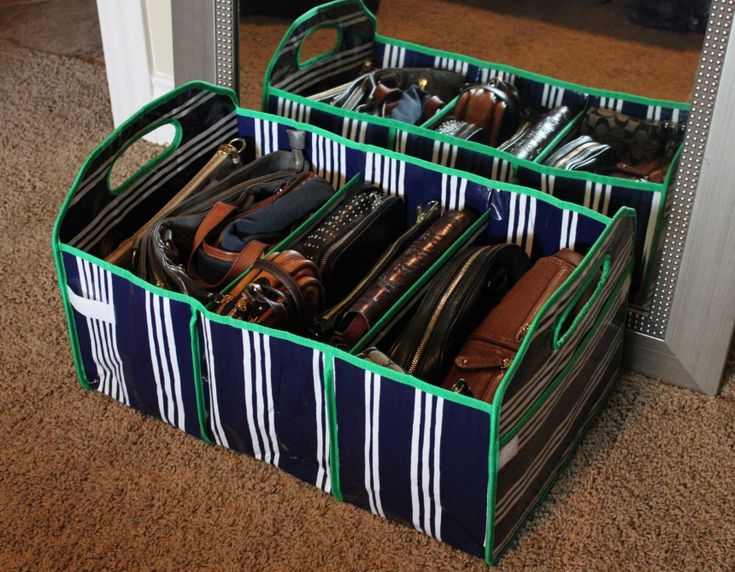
(289,81)
(463,471)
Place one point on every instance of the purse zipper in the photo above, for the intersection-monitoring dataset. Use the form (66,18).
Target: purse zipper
(439,307)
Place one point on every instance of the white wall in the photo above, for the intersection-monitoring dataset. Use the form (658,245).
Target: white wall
(137,40)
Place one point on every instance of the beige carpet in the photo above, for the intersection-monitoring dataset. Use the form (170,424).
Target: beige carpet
(87,484)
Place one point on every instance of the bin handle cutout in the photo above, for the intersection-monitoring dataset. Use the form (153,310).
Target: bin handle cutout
(316,36)
(568,321)
(117,188)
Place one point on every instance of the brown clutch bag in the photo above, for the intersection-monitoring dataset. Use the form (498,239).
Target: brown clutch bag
(385,291)
(485,356)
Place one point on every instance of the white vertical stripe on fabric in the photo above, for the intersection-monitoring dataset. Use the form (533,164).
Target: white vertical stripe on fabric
(649,112)
(307,114)
(378,174)
(329,149)
(328,484)
(115,350)
(345,128)
(260,397)
(386,56)
(270,404)
(274,136)
(368,441)
(444,197)
(320,474)
(369,167)
(437,468)
(425,450)
(402,61)
(494,169)
(657,116)
(545,95)
(445,154)
(163,359)
(606,203)
(393,175)
(217,430)
(376,444)
(552,179)
(104,341)
(521,226)
(258,127)
(620,105)
(343,164)
(587,194)
(675,116)
(90,325)
(435,152)
(462,193)
(154,356)
(511,218)
(248,359)
(453,157)
(415,505)
(401,178)
(560,97)
(94,292)
(531,226)
(598,196)
(563,240)
(180,414)
(573,230)
(363,131)
(504,171)
(454,198)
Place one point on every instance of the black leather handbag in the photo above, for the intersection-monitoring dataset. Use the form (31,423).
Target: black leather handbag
(352,237)
(457,298)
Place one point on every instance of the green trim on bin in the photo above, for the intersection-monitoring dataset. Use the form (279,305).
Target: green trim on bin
(561,339)
(151,163)
(305,17)
(533,75)
(196,358)
(68,311)
(576,356)
(423,279)
(443,111)
(492,484)
(331,406)
(550,199)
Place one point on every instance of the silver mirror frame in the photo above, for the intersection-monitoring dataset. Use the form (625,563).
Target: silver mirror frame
(684,335)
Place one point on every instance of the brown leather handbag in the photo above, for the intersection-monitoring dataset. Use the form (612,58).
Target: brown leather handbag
(400,275)
(486,355)
(282,291)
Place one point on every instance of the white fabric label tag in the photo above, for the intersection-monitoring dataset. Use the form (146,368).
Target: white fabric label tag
(92,309)
(507,452)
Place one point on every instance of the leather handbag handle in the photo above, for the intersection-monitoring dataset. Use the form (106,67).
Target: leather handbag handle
(355,26)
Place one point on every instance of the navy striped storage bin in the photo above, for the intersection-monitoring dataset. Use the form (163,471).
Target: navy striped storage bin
(288,81)
(463,471)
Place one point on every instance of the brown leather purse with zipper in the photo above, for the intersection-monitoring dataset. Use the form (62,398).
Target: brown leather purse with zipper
(281,290)
(485,356)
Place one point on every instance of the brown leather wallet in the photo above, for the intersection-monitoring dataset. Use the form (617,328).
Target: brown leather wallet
(379,296)
(485,356)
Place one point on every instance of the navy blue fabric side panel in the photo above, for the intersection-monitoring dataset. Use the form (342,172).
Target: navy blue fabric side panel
(265,397)
(548,439)
(539,228)
(353,129)
(449,155)
(143,358)
(607,199)
(413,457)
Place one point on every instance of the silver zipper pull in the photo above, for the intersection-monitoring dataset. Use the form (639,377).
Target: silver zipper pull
(422,215)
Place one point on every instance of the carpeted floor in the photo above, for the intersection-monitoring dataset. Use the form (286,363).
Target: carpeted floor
(87,484)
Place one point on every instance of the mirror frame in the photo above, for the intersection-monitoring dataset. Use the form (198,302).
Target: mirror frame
(684,336)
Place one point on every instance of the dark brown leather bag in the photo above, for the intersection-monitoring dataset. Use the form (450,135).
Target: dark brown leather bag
(395,281)
(282,291)
(486,355)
